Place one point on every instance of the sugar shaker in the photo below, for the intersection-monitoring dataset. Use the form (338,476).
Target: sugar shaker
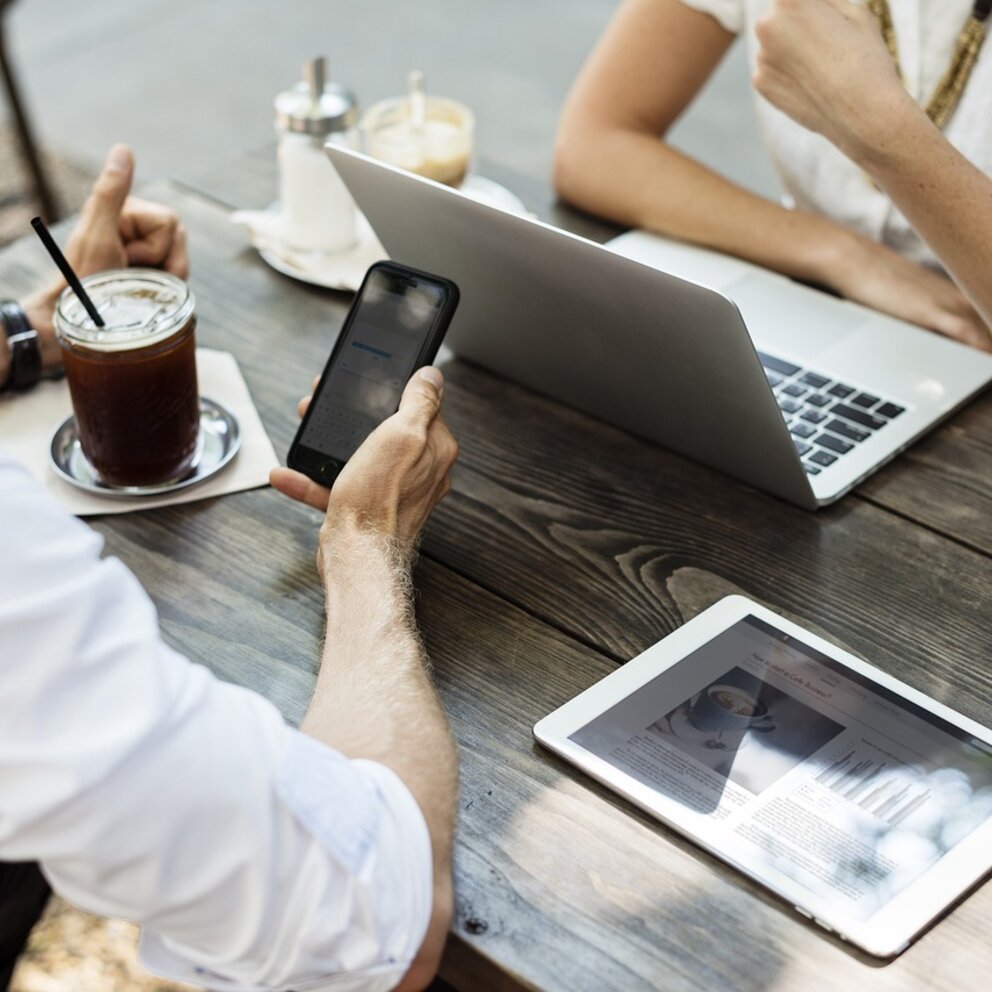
(317,212)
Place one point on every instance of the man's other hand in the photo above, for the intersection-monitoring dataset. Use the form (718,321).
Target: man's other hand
(116,230)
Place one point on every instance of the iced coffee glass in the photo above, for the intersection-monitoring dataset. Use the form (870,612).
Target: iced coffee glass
(133,382)
(440,149)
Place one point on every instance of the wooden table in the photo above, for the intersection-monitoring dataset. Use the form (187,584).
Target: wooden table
(565,548)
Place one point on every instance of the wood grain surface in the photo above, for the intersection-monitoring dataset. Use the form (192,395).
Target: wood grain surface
(566,547)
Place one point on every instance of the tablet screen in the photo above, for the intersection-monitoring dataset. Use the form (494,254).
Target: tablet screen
(794,765)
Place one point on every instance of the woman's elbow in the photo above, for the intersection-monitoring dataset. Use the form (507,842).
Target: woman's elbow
(571,166)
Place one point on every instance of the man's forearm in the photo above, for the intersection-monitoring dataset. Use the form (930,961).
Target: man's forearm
(374,697)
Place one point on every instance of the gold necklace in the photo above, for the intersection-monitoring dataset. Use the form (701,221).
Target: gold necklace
(948,92)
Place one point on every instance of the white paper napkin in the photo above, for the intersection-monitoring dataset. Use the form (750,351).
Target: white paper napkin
(28,420)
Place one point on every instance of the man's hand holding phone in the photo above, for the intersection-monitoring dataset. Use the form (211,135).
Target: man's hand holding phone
(392,483)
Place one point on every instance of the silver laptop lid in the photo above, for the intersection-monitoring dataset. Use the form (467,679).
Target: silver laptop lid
(663,358)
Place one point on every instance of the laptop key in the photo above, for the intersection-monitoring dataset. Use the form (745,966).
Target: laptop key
(813,416)
(818,399)
(846,430)
(865,400)
(858,416)
(777,364)
(834,443)
(841,391)
(811,469)
(773,379)
(802,430)
(789,406)
(889,410)
(794,389)
(814,380)
(822,458)
(802,447)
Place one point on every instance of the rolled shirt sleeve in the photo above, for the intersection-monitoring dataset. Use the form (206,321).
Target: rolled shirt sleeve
(729,13)
(352,882)
(252,856)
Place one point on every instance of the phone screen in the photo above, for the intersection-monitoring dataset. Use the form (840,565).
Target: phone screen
(383,341)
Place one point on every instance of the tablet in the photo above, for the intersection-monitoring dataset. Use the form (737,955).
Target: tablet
(860,801)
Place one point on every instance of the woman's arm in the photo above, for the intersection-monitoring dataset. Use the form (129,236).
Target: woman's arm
(844,86)
(651,62)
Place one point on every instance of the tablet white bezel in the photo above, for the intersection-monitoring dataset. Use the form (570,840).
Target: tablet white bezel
(905,916)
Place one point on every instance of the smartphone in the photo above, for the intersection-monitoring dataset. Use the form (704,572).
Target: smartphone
(395,326)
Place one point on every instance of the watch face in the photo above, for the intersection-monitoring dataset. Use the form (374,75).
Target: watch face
(23,346)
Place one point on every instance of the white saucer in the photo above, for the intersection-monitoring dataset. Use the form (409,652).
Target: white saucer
(345,270)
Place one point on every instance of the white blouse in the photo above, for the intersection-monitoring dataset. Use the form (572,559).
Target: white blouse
(816,176)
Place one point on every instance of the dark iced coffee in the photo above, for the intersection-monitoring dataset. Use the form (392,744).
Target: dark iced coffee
(133,381)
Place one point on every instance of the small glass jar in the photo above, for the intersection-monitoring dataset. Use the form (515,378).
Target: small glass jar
(439,149)
(133,382)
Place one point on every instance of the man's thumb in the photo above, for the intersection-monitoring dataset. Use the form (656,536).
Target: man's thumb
(111,188)
(422,395)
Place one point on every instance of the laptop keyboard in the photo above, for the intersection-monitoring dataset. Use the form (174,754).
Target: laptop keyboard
(826,417)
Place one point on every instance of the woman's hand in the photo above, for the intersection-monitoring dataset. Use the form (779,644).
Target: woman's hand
(880,278)
(824,63)
(869,273)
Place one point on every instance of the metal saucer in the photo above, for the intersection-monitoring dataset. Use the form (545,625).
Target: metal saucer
(218,443)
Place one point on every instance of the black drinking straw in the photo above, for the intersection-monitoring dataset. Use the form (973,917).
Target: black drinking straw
(70,277)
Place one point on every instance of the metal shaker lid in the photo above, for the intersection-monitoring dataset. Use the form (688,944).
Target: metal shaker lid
(314,106)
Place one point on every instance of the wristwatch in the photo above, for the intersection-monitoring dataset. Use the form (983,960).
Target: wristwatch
(25,349)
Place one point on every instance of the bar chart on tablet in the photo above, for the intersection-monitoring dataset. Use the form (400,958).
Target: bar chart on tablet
(887,791)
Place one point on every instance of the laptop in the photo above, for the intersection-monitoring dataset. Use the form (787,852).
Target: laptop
(785,388)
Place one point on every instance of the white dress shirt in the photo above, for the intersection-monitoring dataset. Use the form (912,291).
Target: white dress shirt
(816,176)
(253,857)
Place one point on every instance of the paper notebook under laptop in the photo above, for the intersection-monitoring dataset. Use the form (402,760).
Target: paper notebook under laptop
(788,389)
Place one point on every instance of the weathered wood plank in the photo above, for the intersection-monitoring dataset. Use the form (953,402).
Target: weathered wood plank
(585,526)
